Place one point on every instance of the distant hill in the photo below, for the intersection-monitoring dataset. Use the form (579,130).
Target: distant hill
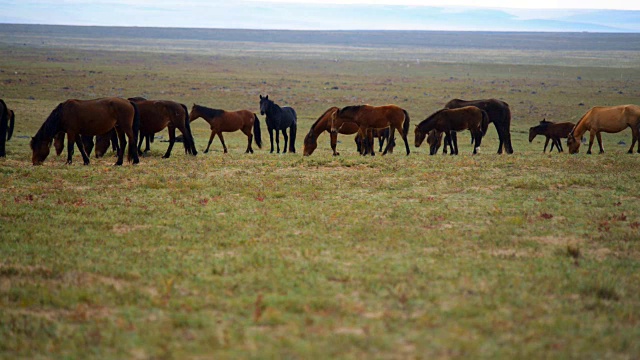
(267,15)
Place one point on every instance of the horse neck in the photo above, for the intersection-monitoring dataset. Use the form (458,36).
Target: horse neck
(273,110)
(582,126)
(426,125)
(322,125)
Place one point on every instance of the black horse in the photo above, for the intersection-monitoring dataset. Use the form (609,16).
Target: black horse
(499,114)
(7,120)
(279,119)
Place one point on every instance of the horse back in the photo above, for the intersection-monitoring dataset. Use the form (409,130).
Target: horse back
(96,117)
(497,110)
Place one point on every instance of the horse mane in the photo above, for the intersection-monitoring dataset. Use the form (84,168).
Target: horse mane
(321,116)
(137,98)
(429,119)
(209,112)
(350,109)
(50,127)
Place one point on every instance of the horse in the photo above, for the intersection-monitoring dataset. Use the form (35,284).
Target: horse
(499,114)
(155,115)
(101,144)
(279,119)
(7,122)
(609,119)
(88,117)
(551,131)
(228,121)
(324,124)
(374,117)
(366,147)
(434,139)
(450,120)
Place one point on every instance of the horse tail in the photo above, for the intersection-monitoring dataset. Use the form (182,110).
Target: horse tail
(133,148)
(292,132)
(12,122)
(484,123)
(189,141)
(257,136)
(405,124)
(4,117)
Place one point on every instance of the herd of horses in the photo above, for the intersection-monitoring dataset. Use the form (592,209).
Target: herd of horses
(116,121)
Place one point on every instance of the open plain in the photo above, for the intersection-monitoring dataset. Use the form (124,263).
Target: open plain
(528,255)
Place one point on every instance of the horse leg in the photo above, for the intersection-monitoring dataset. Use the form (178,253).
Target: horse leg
(547,143)
(334,141)
(277,140)
(123,143)
(213,134)
(599,137)
(172,140)
(142,137)
(286,141)
(559,144)
(501,144)
(454,138)
(249,139)
(635,131)
(392,133)
(371,143)
(71,142)
(592,135)
(224,146)
(80,146)
(271,138)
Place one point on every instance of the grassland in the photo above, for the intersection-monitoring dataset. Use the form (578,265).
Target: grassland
(529,255)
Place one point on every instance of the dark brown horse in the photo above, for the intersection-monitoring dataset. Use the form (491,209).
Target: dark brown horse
(7,121)
(155,115)
(551,131)
(324,124)
(228,121)
(609,119)
(88,117)
(450,120)
(374,117)
(499,114)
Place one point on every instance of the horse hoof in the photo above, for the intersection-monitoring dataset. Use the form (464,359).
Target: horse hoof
(86,163)
(165,156)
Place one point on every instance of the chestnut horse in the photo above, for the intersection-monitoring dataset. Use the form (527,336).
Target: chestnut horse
(374,117)
(7,121)
(499,114)
(88,117)
(155,115)
(609,119)
(324,124)
(228,121)
(450,120)
(551,131)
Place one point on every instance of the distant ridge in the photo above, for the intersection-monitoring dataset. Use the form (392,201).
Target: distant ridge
(275,15)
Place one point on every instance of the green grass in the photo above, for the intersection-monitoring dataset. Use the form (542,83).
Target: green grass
(529,255)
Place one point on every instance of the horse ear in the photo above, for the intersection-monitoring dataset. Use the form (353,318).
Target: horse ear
(266,97)
(260,96)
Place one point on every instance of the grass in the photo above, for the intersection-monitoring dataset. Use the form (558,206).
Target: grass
(278,256)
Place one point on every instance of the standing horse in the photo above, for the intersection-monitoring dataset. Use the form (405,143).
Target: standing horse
(609,119)
(324,124)
(228,121)
(7,121)
(450,120)
(279,119)
(374,117)
(155,115)
(551,131)
(499,114)
(88,117)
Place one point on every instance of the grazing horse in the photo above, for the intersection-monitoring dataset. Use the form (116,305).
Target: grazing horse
(499,114)
(374,117)
(155,115)
(228,121)
(609,119)
(7,121)
(324,124)
(434,139)
(551,131)
(88,117)
(279,119)
(450,120)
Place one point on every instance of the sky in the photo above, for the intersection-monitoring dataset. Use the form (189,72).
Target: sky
(495,15)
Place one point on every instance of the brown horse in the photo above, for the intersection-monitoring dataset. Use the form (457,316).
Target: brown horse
(88,117)
(499,114)
(7,121)
(324,124)
(155,115)
(366,147)
(609,119)
(434,139)
(228,121)
(374,117)
(551,131)
(450,120)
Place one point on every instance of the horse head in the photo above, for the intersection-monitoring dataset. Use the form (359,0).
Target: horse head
(434,139)
(40,149)
(264,104)
(310,143)
(419,136)
(573,144)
